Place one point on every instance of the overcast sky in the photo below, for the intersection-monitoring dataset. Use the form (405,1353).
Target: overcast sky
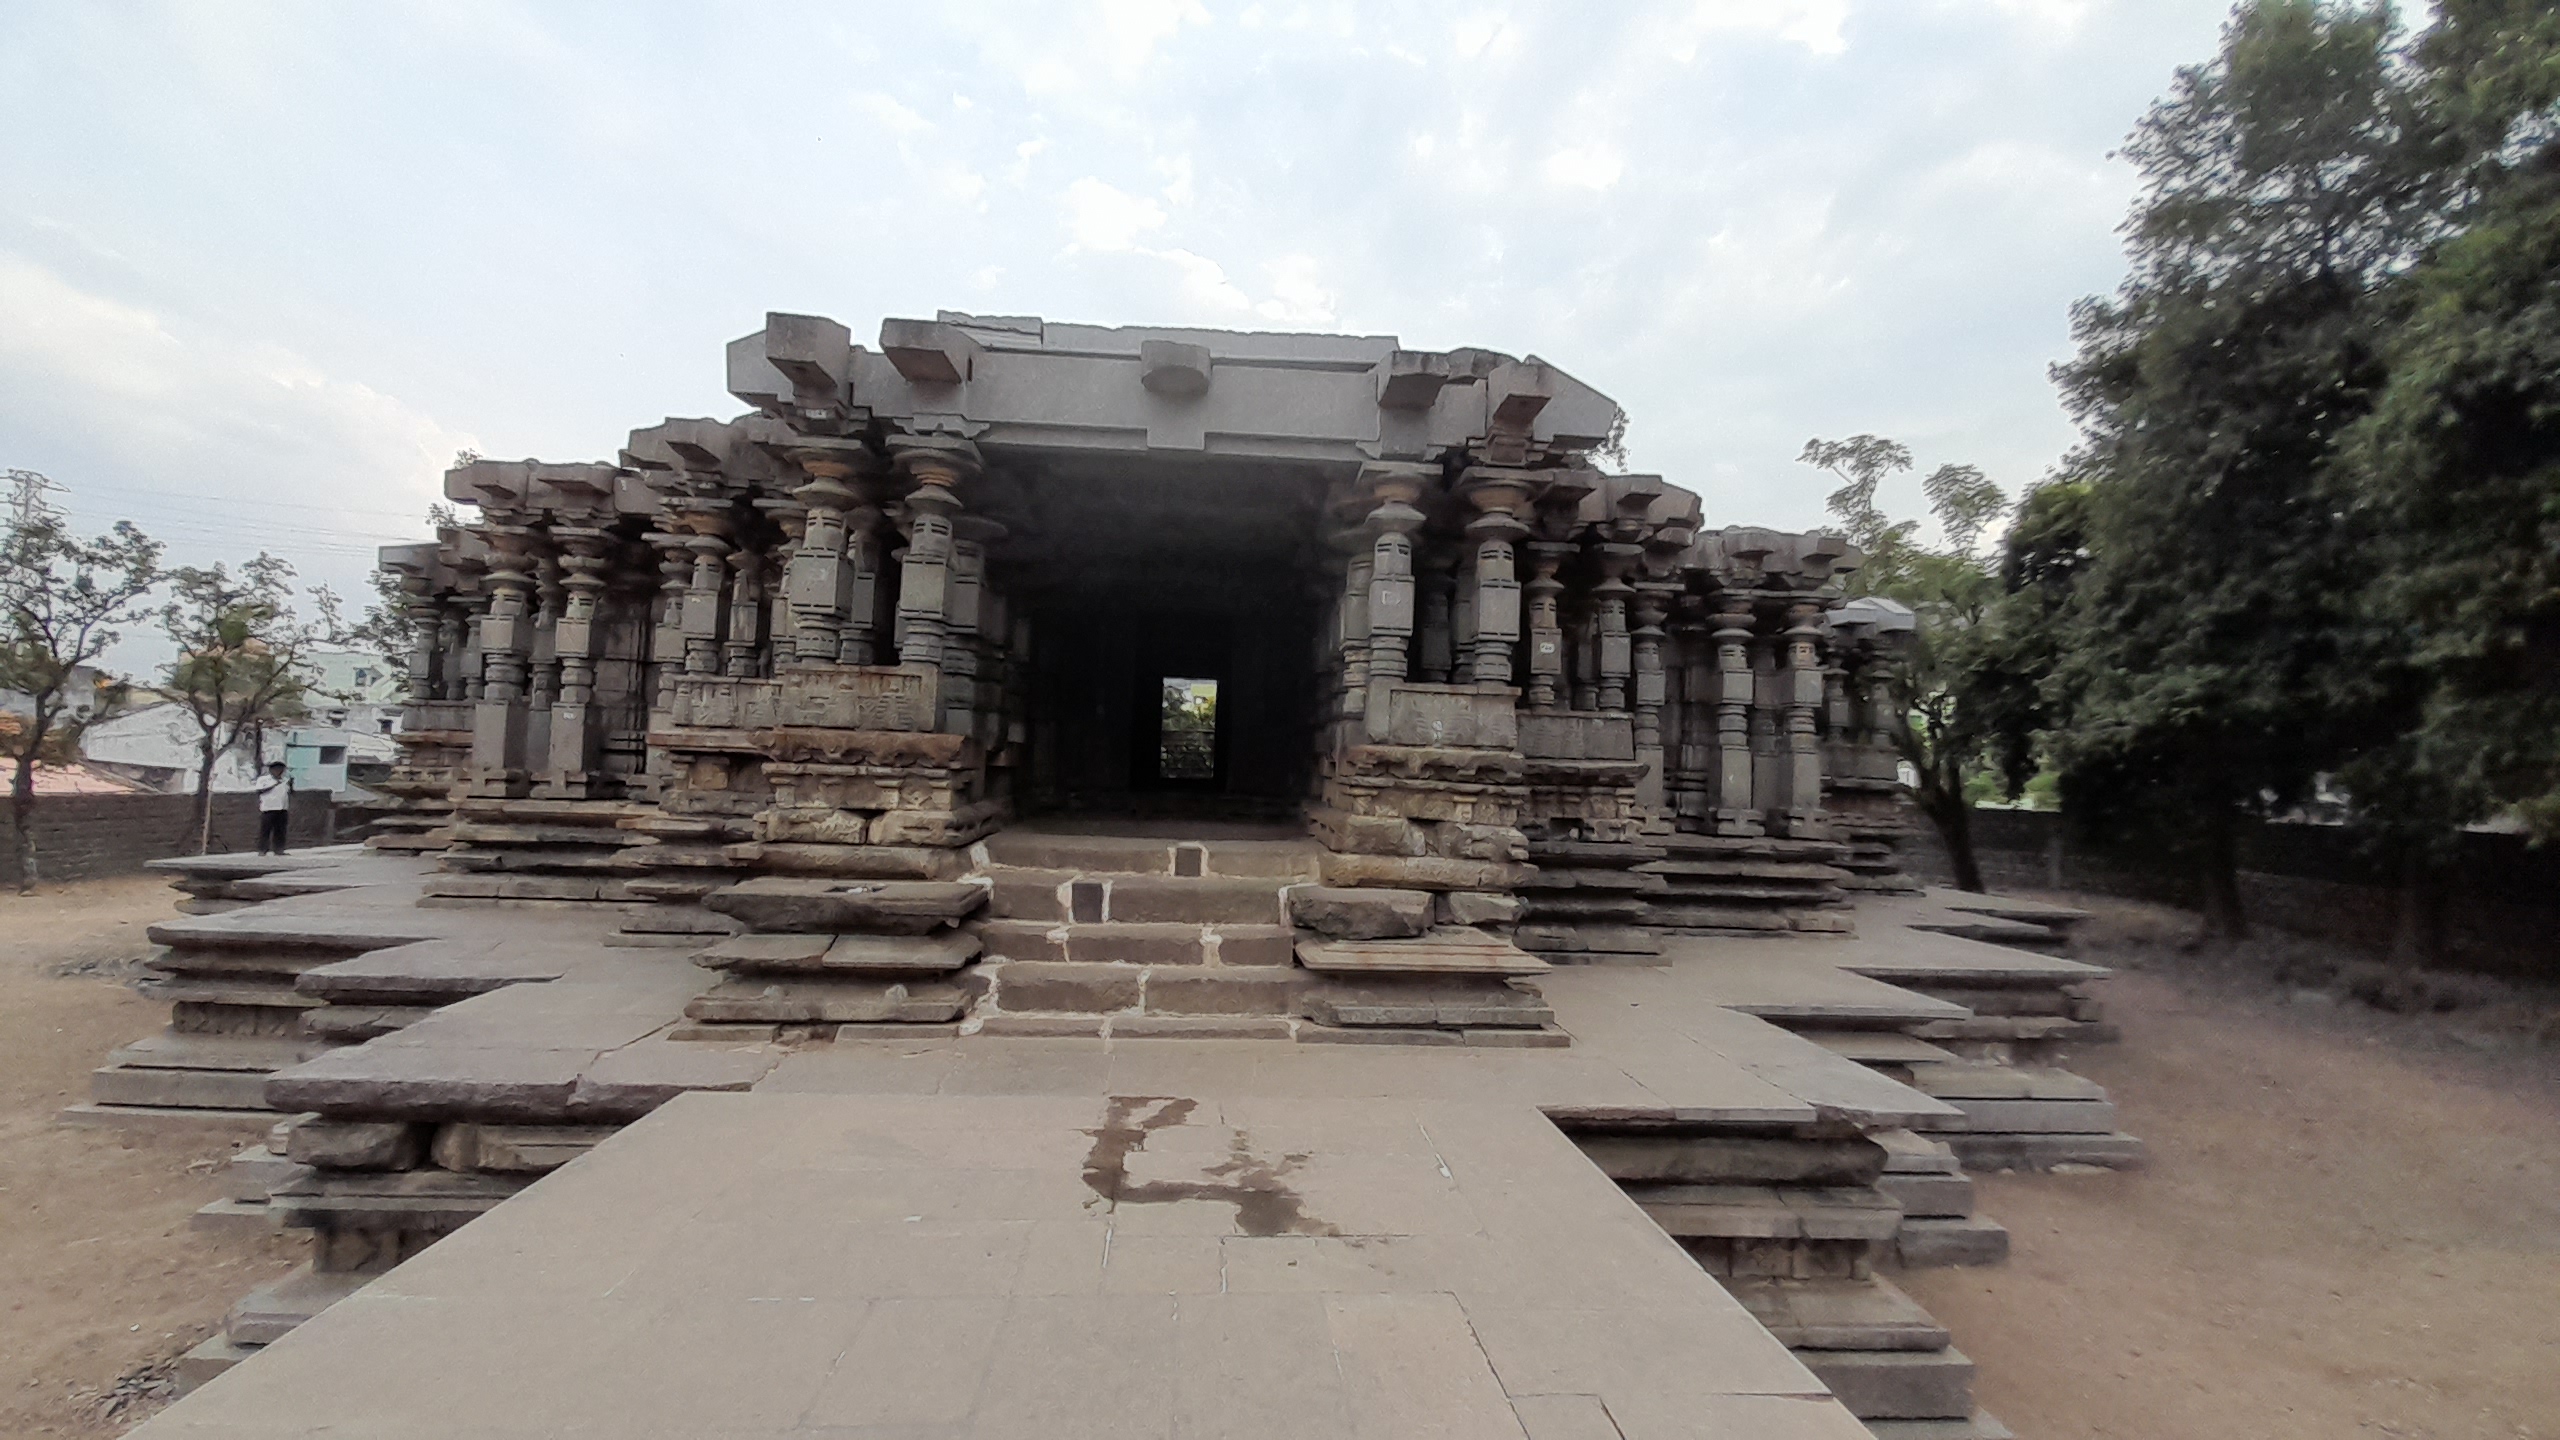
(265,267)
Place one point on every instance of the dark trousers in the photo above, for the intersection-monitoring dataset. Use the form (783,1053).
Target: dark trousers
(271,830)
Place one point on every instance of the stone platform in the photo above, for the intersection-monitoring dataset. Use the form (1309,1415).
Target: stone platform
(1766,1113)
(1050,1266)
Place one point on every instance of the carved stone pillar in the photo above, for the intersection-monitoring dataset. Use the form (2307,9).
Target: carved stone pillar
(1803,752)
(1652,604)
(703,614)
(542,681)
(454,679)
(1734,812)
(739,647)
(506,641)
(781,621)
(1692,792)
(666,633)
(1391,527)
(1501,500)
(1438,581)
(1357,570)
(1616,658)
(820,581)
(1546,623)
(576,728)
(965,619)
(937,466)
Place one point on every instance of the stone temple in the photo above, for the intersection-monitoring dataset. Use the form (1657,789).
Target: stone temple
(923,594)
(1053,880)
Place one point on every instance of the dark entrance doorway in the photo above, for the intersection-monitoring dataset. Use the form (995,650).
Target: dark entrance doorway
(1191,576)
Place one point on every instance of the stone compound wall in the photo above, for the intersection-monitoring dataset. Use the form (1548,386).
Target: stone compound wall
(2502,916)
(80,837)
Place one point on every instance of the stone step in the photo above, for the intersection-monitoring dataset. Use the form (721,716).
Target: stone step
(1896,1384)
(836,1000)
(1171,943)
(1446,950)
(1965,1081)
(2036,1117)
(353,1024)
(1871,1314)
(1980,1426)
(1994,930)
(270,1312)
(1144,855)
(795,904)
(232,1217)
(1764,1212)
(1908,1152)
(1444,1002)
(1543,1038)
(1930,1197)
(1092,900)
(183,1089)
(815,955)
(167,1119)
(254,1174)
(1689,918)
(1666,1157)
(430,972)
(1879,1047)
(174,1050)
(2046,1150)
(210,1357)
(1929,1243)
(1088,988)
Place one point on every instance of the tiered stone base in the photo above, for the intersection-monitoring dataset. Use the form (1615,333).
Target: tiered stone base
(1394,968)
(518,851)
(824,953)
(1590,903)
(1749,885)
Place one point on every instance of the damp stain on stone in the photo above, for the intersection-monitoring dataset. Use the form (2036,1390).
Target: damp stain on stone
(1255,1185)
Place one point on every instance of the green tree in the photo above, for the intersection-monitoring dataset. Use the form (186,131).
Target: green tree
(1949,677)
(2193,662)
(2455,476)
(63,602)
(242,660)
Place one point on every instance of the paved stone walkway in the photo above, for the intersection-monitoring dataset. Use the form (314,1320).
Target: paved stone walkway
(1044,1266)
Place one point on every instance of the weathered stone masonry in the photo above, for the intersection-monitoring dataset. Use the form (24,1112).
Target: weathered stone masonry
(920,592)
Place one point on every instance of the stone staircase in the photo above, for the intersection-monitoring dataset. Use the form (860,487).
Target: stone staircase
(1757,885)
(1140,935)
(1795,1226)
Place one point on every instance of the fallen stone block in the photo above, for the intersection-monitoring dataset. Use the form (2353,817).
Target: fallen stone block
(1347,914)
(270,1312)
(1972,1240)
(355,1144)
(1896,1384)
(803,905)
(515,1149)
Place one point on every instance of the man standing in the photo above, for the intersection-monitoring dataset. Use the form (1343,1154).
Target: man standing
(275,807)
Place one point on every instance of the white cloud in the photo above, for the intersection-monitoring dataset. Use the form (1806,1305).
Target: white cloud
(1593,167)
(1104,217)
(1813,24)
(1296,297)
(1486,36)
(1205,287)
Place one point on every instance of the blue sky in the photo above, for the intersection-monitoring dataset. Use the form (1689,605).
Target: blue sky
(265,267)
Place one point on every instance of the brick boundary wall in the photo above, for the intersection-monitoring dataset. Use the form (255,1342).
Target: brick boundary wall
(2502,913)
(81,837)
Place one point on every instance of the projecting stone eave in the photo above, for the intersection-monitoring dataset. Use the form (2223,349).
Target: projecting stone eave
(1021,383)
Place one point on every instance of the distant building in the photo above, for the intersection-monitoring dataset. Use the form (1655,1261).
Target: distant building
(155,745)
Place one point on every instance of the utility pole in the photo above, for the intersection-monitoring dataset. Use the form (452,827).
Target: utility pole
(26,498)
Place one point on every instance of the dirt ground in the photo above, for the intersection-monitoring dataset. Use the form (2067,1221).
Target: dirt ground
(2350,1224)
(101,1281)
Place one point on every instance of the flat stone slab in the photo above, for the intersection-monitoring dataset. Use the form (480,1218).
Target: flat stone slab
(1448,950)
(792,904)
(1031,1265)
(430,972)
(771,954)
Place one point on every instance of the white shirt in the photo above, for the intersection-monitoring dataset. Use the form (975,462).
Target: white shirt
(275,792)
